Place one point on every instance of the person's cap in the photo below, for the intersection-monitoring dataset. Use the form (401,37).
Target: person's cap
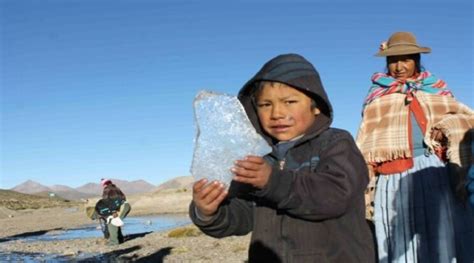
(104,181)
(401,43)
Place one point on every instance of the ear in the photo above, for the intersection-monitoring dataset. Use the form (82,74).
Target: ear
(316,111)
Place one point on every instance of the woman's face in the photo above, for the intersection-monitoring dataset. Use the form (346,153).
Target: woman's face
(401,67)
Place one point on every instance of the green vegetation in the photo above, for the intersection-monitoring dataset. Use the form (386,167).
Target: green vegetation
(18,201)
(185,232)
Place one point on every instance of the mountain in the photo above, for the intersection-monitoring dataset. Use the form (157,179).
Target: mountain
(70,193)
(127,187)
(135,187)
(61,188)
(85,191)
(177,182)
(90,188)
(30,187)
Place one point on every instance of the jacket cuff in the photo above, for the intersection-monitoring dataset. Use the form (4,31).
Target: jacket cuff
(278,186)
(202,220)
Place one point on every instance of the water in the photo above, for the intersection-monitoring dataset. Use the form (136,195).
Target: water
(133,225)
(51,258)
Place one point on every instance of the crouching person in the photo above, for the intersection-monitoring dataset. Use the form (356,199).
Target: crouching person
(118,207)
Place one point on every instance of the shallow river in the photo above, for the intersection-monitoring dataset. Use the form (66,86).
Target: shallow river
(133,225)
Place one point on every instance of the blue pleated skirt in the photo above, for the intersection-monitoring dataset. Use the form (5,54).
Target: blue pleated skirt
(418,219)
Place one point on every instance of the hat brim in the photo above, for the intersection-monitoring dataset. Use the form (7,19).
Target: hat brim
(402,50)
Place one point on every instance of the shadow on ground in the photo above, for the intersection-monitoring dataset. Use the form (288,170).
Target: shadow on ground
(155,257)
(137,235)
(112,256)
(28,234)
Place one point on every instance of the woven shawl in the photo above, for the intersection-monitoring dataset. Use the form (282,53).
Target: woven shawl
(383,134)
(383,84)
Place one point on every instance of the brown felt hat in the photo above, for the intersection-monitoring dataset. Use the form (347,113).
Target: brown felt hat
(401,43)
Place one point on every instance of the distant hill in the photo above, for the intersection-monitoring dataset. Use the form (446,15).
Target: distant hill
(30,187)
(69,192)
(61,188)
(134,187)
(90,188)
(128,187)
(178,182)
(73,195)
(61,191)
(85,191)
(18,201)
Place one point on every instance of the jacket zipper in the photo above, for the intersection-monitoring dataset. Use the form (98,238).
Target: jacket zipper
(282,164)
(283,233)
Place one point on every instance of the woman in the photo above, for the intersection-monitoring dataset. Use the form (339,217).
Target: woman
(415,138)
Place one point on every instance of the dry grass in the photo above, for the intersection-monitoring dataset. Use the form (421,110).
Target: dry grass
(18,201)
(185,232)
(239,248)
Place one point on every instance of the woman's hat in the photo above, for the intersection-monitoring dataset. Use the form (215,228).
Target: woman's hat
(401,43)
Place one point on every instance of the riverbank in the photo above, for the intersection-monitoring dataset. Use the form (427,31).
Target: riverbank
(141,247)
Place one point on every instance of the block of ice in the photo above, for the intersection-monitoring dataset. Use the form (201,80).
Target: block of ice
(223,134)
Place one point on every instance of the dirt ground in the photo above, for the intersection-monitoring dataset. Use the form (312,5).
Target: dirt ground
(146,247)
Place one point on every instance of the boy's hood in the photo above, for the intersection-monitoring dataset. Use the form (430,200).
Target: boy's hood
(293,70)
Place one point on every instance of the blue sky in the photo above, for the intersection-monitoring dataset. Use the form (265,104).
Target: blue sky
(93,89)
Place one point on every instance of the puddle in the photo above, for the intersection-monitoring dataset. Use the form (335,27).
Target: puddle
(133,225)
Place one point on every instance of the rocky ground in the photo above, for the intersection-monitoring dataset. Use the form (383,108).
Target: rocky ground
(143,247)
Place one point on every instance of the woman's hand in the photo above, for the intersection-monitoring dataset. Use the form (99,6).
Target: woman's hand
(440,151)
(438,136)
(253,170)
(208,197)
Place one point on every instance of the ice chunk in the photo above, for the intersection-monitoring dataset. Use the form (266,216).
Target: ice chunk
(224,134)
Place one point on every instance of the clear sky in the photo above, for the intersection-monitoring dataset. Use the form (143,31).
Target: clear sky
(93,89)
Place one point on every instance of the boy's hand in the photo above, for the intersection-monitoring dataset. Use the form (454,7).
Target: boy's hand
(207,198)
(253,170)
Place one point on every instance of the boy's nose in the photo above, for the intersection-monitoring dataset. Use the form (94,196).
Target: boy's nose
(278,112)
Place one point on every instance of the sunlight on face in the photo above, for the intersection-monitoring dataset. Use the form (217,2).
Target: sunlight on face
(284,112)
(401,67)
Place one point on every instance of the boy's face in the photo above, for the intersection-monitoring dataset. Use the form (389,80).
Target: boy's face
(284,112)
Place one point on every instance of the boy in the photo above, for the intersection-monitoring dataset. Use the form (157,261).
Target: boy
(306,198)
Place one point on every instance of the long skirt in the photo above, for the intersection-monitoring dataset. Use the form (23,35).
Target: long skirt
(418,218)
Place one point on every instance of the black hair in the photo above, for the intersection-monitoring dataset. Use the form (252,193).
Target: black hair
(258,87)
